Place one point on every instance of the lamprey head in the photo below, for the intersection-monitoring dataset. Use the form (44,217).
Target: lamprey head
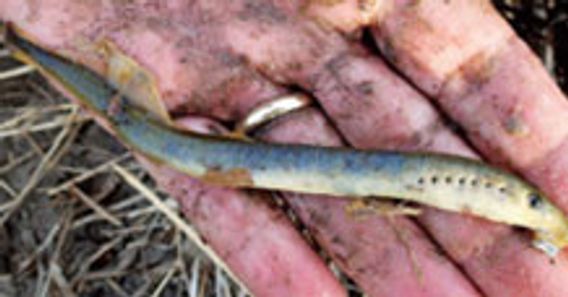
(526,206)
(550,224)
(553,239)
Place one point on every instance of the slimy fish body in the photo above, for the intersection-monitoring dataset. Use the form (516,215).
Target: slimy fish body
(441,181)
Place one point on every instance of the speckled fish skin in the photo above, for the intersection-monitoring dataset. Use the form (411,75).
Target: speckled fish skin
(429,179)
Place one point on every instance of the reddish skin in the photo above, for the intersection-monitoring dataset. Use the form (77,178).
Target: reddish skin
(318,53)
(497,90)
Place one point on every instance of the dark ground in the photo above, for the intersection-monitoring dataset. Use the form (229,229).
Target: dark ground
(100,236)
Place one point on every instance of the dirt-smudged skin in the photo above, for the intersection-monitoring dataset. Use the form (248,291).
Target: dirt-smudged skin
(494,256)
(445,182)
(487,80)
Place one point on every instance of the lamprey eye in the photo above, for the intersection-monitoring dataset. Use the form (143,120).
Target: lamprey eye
(535,201)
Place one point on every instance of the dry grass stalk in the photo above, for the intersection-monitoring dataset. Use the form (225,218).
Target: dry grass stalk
(175,219)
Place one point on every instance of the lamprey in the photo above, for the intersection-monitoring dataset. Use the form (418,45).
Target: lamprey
(441,181)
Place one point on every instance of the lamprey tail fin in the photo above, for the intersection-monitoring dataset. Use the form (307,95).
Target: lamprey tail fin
(85,85)
(126,79)
(133,81)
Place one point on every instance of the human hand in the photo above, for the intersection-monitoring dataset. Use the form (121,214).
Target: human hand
(222,63)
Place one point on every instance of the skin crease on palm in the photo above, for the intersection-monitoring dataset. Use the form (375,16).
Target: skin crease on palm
(219,59)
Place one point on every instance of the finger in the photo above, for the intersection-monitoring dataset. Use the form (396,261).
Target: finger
(256,240)
(508,104)
(426,56)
